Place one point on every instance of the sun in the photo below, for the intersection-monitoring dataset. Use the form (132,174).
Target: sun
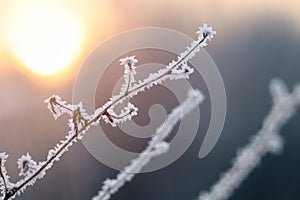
(45,40)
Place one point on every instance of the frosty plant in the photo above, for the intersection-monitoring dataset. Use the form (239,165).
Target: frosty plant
(80,121)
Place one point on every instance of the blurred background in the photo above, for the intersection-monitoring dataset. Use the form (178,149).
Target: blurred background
(42,46)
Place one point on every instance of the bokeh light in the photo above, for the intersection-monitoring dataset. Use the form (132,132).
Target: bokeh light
(45,39)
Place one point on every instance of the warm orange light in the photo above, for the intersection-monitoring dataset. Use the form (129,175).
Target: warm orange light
(45,39)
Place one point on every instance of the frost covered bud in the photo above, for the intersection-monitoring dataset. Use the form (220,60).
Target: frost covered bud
(206,31)
(129,72)
(130,61)
(26,165)
(57,106)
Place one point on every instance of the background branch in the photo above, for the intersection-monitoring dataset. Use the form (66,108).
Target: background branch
(156,146)
(266,140)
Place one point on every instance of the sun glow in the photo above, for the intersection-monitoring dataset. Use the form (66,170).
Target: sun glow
(45,40)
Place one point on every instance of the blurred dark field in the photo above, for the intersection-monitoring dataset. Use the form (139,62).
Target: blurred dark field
(255,42)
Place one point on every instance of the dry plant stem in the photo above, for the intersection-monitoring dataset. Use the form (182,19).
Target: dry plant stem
(128,94)
(266,140)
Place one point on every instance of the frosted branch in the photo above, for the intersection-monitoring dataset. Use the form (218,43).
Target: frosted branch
(266,140)
(80,121)
(4,178)
(177,69)
(156,147)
